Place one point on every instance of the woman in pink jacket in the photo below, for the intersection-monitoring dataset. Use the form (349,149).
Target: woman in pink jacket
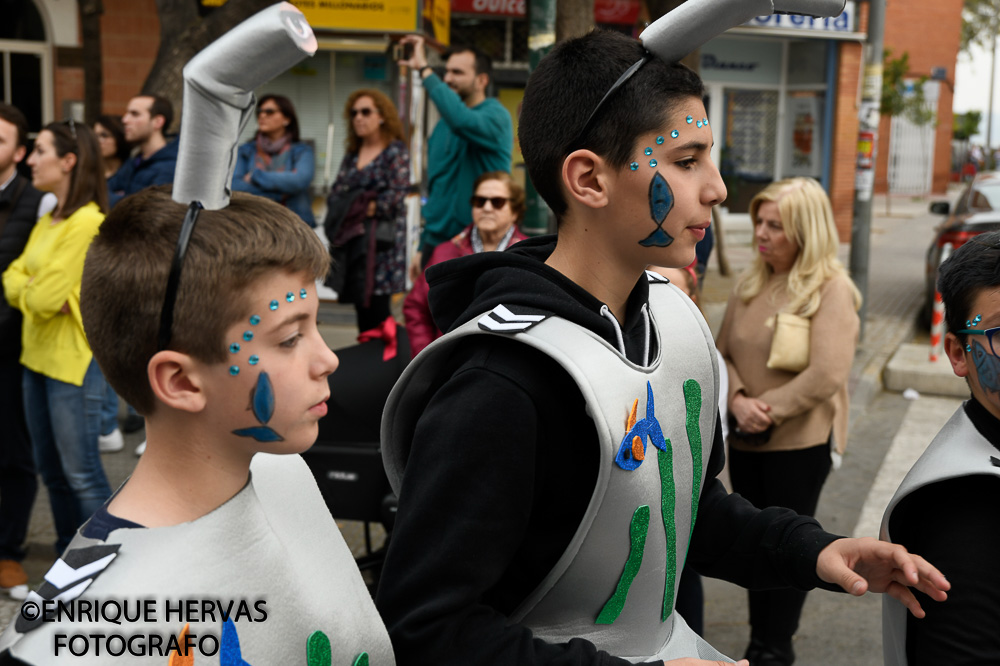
(497,209)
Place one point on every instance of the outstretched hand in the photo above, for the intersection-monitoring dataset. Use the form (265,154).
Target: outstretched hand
(860,565)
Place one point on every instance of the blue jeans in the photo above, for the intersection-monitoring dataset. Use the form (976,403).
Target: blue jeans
(64,421)
(109,410)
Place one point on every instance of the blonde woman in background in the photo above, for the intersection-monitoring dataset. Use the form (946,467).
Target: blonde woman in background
(787,424)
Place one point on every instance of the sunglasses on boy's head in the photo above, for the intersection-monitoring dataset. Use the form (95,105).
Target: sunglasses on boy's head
(367,111)
(496,202)
(991,334)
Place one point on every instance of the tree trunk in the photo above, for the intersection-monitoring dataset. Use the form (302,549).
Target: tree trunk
(183,33)
(93,72)
(574,18)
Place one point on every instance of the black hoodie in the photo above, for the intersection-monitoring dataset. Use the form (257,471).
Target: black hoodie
(503,464)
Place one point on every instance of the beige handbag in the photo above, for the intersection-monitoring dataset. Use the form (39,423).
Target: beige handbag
(790,344)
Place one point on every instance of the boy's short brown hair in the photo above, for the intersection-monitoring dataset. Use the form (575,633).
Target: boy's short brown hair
(125,279)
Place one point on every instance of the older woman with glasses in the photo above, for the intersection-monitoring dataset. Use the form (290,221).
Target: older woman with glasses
(63,387)
(788,338)
(366,216)
(497,209)
(275,164)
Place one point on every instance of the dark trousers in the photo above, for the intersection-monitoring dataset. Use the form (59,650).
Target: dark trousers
(377,311)
(791,479)
(18,482)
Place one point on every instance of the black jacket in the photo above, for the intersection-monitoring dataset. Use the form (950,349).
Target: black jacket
(19,205)
(490,498)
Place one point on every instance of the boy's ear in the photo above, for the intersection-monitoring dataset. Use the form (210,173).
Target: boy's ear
(584,174)
(176,381)
(956,354)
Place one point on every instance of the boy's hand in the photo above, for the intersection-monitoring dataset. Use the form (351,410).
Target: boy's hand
(859,565)
(751,414)
(687,661)
(419,58)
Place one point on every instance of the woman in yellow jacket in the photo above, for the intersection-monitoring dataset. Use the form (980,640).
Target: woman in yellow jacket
(63,387)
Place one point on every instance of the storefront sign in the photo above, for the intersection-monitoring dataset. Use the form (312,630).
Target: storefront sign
(616,12)
(437,20)
(511,8)
(846,22)
(381,15)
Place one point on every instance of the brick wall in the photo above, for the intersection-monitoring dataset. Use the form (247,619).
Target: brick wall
(845,138)
(130,35)
(929,32)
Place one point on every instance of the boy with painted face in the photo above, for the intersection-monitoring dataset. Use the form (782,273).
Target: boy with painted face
(945,508)
(213,338)
(556,453)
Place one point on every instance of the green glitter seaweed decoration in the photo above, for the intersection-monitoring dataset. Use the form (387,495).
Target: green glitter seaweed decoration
(692,401)
(318,650)
(667,501)
(362,659)
(637,537)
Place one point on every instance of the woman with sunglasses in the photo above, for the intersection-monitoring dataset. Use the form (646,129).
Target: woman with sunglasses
(497,210)
(275,164)
(63,387)
(366,215)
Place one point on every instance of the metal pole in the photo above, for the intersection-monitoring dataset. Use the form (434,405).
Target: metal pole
(864,178)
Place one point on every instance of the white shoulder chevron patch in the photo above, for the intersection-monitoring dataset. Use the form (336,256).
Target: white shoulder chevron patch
(501,319)
(653,276)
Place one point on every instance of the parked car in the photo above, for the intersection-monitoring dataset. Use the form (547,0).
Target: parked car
(976,211)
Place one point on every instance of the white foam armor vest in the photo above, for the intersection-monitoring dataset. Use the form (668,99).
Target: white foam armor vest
(616,582)
(958,450)
(273,542)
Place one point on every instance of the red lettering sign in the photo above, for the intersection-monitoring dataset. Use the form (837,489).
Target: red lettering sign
(512,8)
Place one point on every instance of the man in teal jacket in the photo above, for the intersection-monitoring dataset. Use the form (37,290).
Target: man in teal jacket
(474,135)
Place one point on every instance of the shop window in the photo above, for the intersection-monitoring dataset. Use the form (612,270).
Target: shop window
(21,21)
(807,62)
(505,40)
(750,144)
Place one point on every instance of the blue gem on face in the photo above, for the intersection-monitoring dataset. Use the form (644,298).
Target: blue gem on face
(248,335)
(698,124)
(652,163)
(674,134)
(234,370)
(633,166)
(253,360)
(968,323)
(689,120)
(303,293)
(289,297)
(254,320)
(659,140)
(273,305)
(968,348)
(648,151)
(233,348)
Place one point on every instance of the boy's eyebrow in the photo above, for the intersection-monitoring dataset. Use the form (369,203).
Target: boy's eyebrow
(291,319)
(692,145)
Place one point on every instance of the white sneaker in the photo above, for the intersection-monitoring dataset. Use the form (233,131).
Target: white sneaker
(139,450)
(111,442)
(18,592)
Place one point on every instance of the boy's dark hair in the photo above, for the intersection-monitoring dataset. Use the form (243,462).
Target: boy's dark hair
(566,87)
(86,181)
(125,278)
(484,63)
(161,106)
(973,267)
(13,115)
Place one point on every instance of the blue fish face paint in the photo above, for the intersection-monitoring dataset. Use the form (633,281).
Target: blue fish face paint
(661,201)
(987,368)
(262,406)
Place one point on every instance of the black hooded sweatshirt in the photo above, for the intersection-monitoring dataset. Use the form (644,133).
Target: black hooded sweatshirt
(503,463)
